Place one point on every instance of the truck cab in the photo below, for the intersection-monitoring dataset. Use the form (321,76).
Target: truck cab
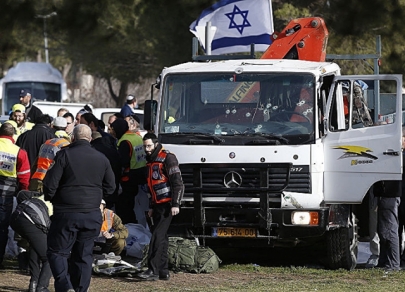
(277,152)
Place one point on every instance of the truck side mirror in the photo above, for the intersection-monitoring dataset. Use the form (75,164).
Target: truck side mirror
(150,111)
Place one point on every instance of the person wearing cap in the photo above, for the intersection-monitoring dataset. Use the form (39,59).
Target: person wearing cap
(15,126)
(14,176)
(133,161)
(59,124)
(18,115)
(46,155)
(32,140)
(75,185)
(113,232)
(31,221)
(32,112)
(112,118)
(129,106)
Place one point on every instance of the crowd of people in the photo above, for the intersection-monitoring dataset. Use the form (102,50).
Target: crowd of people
(76,184)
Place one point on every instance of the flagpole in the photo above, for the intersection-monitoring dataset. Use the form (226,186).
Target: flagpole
(208,38)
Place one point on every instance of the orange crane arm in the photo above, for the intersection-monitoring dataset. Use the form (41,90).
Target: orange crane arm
(302,39)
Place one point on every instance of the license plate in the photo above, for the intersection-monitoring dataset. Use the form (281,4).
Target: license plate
(233,232)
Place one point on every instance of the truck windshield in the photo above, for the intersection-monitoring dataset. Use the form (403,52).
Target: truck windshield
(248,105)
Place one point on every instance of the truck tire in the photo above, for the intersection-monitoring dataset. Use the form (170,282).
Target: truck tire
(342,245)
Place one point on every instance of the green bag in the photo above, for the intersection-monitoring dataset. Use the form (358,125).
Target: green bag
(185,255)
(182,254)
(207,260)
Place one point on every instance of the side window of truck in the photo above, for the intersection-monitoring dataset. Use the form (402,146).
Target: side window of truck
(359,104)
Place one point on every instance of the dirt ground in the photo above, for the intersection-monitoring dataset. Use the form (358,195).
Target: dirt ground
(11,279)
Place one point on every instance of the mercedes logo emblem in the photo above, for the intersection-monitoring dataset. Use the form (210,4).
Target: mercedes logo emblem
(232,179)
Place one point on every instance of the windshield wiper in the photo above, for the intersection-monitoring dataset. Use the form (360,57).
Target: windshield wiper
(201,138)
(266,139)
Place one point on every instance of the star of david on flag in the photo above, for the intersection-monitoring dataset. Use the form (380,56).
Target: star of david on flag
(239,23)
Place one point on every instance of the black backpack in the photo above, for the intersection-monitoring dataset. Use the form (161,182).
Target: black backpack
(34,210)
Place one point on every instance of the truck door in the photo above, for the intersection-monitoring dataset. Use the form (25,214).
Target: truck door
(363,135)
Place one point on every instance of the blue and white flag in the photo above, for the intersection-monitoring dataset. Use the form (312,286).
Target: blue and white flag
(239,23)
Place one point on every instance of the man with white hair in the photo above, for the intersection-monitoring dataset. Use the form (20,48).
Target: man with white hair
(75,185)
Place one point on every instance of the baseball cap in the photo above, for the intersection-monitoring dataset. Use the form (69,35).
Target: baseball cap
(60,122)
(130,97)
(24,92)
(18,107)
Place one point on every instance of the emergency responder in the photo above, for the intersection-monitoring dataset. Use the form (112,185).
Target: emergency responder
(113,231)
(46,156)
(75,185)
(18,115)
(17,131)
(133,161)
(31,220)
(31,110)
(14,176)
(166,189)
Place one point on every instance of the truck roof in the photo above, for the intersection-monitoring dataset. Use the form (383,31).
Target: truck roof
(33,71)
(257,65)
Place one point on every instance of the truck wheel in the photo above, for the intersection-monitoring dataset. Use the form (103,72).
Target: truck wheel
(342,245)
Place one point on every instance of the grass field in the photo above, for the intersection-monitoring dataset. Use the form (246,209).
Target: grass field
(237,277)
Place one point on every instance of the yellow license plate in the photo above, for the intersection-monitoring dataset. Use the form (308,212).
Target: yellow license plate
(233,232)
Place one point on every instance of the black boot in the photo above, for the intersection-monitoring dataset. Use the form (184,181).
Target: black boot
(33,286)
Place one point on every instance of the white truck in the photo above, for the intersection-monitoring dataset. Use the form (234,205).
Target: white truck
(274,153)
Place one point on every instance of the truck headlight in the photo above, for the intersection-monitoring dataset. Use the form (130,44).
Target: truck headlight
(304,218)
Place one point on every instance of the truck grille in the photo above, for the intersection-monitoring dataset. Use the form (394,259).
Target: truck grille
(213,178)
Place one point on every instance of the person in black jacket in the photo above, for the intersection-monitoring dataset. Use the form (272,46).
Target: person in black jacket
(31,221)
(113,157)
(75,185)
(32,140)
(166,188)
(389,197)
(31,111)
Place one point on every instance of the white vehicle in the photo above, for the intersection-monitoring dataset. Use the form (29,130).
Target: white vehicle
(51,108)
(43,80)
(272,153)
(105,113)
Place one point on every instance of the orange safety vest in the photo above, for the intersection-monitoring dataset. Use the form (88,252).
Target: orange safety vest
(158,182)
(47,154)
(108,219)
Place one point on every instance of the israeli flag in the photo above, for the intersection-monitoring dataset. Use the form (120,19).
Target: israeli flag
(239,23)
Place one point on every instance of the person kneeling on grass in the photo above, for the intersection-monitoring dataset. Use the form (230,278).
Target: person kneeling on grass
(113,232)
